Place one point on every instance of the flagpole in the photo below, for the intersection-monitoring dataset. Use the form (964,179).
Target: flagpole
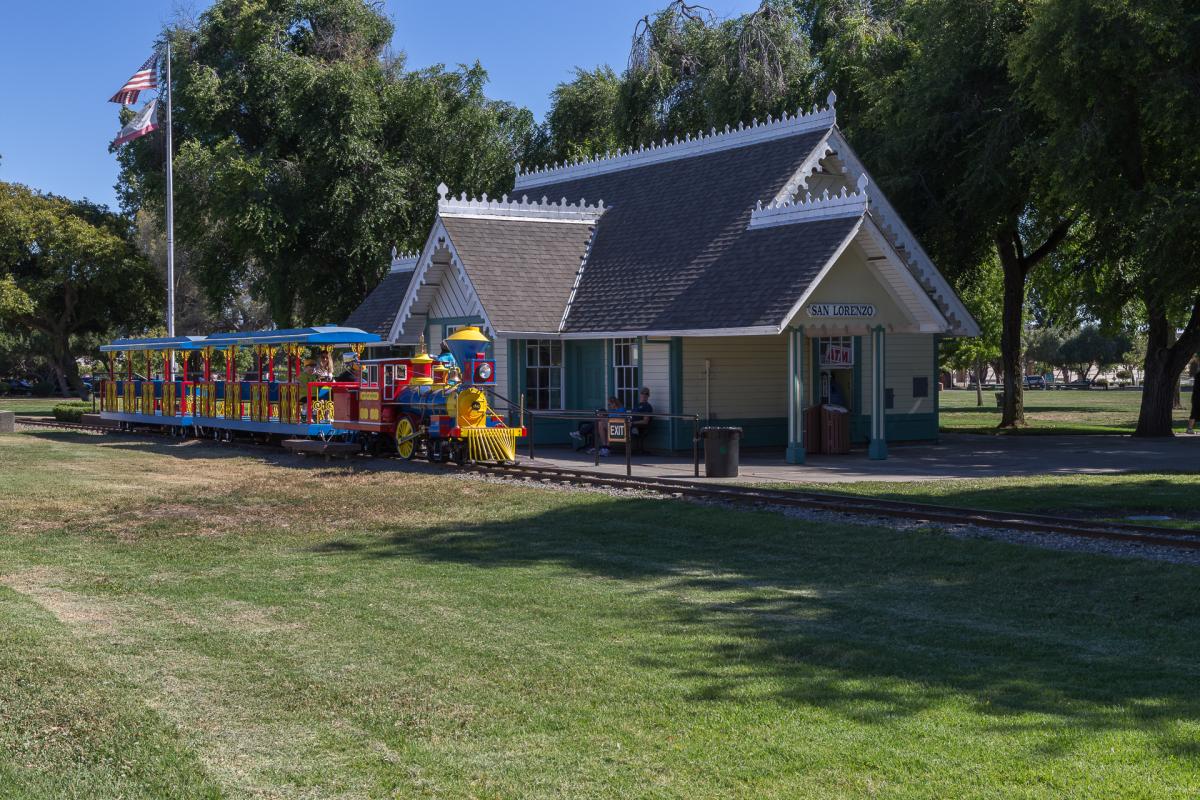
(170,208)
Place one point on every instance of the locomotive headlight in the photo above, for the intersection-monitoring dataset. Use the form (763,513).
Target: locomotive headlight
(485,371)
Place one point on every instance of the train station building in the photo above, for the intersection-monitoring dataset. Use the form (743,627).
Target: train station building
(742,275)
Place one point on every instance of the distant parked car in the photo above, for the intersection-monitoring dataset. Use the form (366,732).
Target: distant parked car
(1082,383)
(1035,382)
(19,386)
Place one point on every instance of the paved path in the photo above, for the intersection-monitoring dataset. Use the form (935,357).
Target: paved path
(955,456)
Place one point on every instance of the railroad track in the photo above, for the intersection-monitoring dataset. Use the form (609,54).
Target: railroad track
(1150,535)
(862,506)
(43,422)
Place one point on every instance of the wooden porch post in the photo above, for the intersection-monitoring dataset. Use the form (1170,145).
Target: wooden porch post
(795,448)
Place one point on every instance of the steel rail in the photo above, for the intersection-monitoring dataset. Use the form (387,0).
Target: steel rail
(860,506)
(40,422)
(818,501)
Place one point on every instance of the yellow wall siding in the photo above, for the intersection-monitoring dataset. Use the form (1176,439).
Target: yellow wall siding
(656,374)
(747,376)
(852,280)
(909,355)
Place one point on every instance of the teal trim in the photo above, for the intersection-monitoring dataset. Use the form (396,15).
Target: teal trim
(773,431)
(516,372)
(584,374)
(610,372)
(877,449)
(675,368)
(795,448)
(756,432)
(912,427)
(856,400)
(936,388)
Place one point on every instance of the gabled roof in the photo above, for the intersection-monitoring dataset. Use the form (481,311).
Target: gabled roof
(673,253)
(377,311)
(522,270)
(704,235)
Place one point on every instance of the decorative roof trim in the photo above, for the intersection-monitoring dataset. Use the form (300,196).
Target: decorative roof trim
(714,141)
(439,238)
(404,262)
(523,209)
(754,330)
(894,260)
(905,243)
(820,276)
(827,206)
(587,251)
(805,171)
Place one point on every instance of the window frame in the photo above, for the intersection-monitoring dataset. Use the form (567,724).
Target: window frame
(626,371)
(544,375)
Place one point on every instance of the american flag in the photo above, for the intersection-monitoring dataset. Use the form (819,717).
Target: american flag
(144,78)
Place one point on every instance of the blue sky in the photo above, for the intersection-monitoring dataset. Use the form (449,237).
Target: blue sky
(61,60)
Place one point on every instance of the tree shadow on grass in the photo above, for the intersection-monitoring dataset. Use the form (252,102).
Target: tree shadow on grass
(868,623)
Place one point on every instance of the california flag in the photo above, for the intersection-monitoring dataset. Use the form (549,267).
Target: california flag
(140,125)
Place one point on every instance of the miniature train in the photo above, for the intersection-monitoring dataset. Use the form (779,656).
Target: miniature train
(440,407)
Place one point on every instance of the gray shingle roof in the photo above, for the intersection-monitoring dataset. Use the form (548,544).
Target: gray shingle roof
(672,251)
(522,270)
(378,311)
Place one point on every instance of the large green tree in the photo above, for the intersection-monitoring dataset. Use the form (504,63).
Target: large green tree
(304,153)
(69,272)
(689,71)
(957,146)
(583,113)
(1119,84)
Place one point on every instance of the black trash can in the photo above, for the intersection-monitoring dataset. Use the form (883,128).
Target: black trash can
(721,448)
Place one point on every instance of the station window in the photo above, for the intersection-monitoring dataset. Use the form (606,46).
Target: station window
(543,374)
(835,352)
(625,371)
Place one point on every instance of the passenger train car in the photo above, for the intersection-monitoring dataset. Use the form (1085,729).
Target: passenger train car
(280,384)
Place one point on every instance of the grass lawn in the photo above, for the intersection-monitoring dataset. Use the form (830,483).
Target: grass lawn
(34,406)
(1049,412)
(1085,496)
(182,621)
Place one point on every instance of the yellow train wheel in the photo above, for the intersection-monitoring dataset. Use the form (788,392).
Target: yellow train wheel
(406,443)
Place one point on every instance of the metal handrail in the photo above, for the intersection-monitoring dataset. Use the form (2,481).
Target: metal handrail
(597,415)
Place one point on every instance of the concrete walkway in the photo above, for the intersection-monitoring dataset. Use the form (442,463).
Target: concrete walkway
(955,456)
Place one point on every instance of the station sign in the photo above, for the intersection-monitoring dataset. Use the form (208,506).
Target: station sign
(616,431)
(841,310)
(837,356)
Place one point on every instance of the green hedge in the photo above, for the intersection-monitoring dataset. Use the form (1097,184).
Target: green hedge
(71,412)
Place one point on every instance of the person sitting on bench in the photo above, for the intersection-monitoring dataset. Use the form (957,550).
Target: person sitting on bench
(589,435)
(614,408)
(641,425)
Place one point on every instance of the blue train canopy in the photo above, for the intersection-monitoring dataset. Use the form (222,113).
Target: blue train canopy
(328,334)
(160,343)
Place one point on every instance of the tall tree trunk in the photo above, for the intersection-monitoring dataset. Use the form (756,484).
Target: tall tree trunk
(979,382)
(1012,316)
(1016,264)
(1164,362)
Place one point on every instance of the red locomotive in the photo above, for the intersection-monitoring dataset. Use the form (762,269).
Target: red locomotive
(435,406)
